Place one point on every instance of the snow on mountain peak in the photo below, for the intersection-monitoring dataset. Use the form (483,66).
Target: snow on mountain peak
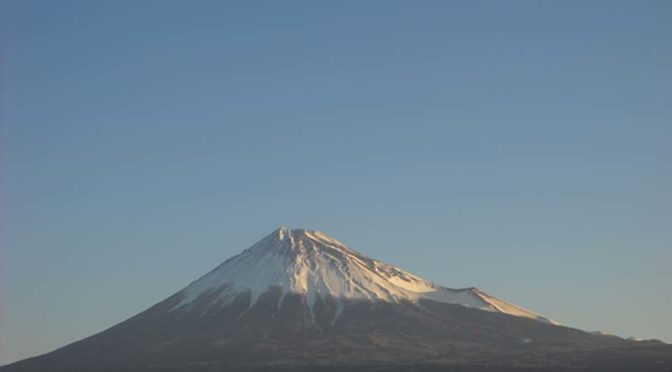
(313,264)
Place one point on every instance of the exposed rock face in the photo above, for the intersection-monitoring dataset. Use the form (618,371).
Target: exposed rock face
(314,305)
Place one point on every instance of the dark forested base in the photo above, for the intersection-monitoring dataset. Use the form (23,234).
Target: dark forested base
(283,334)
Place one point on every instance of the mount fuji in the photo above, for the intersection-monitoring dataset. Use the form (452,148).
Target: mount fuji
(299,300)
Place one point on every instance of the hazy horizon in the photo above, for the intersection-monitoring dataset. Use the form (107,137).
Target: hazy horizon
(521,147)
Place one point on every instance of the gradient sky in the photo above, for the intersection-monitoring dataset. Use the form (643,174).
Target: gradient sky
(522,147)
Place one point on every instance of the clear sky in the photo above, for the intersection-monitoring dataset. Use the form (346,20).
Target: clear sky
(522,147)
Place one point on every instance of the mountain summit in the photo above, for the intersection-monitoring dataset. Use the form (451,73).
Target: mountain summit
(313,264)
(299,300)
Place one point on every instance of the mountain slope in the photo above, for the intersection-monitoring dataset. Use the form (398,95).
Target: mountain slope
(301,301)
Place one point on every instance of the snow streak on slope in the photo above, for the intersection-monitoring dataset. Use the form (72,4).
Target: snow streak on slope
(315,265)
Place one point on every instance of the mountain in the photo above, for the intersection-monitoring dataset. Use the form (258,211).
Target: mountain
(299,300)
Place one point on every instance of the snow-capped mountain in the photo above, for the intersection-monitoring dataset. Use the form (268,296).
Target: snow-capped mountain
(313,264)
(299,300)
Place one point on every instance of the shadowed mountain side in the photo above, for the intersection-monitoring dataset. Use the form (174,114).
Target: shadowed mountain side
(285,335)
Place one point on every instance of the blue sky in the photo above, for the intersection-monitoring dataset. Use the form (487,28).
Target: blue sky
(522,147)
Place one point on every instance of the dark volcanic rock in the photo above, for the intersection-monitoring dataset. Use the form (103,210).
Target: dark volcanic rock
(366,336)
